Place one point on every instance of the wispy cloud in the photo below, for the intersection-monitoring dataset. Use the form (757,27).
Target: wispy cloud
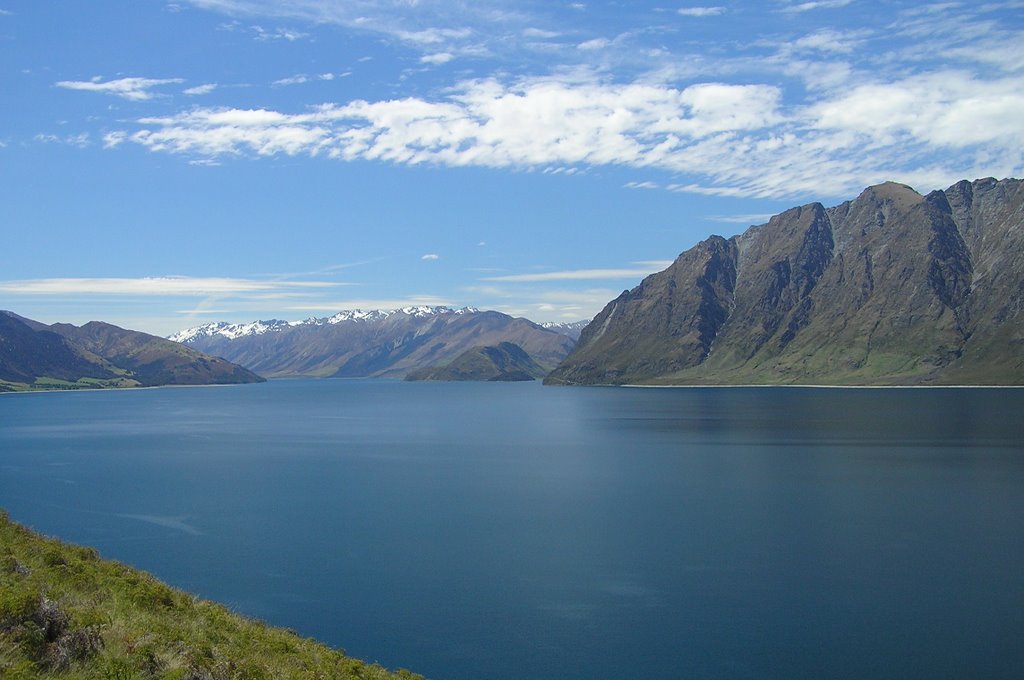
(572,275)
(754,218)
(701,11)
(132,89)
(337,305)
(167,286)
(81,140)
(546,304)
(431,256)
(278,34)
(817,4)
(300,78)
(200,89)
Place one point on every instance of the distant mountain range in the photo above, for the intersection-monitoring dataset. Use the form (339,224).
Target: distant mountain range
(34,355)
(893,288)
(504,362)
(375,343)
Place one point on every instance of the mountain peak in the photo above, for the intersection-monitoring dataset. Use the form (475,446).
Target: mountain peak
(890,288)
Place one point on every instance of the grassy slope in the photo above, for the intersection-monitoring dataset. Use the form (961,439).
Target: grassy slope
(66,613)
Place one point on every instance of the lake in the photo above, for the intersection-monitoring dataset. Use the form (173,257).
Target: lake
(477,531)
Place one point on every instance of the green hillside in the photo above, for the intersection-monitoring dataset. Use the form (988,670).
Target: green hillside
(66,613)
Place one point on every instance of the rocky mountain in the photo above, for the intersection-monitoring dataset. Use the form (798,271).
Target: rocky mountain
(376,343)
(890,288)
(34,355)
(505,362)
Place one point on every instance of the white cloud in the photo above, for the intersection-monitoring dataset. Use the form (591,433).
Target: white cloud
(701,11)
(818,4)
(297,79)
(333,306)
(156,286)
(595,44)
(435,36)
(200,89)
(81,140)
(755,218)
(717,138)
(572,275)
(437,59)
(263,34)
(431,256)
(946,109)
(828,40)
(133,89)
(541,33)
(641,185)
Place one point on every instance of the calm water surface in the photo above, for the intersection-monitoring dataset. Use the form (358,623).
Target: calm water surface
(515,532)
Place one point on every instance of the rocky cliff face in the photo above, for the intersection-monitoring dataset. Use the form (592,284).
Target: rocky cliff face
(890,288)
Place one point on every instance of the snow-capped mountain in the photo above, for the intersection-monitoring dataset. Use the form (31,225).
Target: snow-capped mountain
(233,331)
(372,343)
(572,328)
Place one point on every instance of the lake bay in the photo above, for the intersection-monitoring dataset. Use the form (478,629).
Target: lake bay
(515,532)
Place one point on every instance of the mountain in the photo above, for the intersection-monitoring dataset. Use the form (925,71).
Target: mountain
(892,288)
(34,355)
(377,343)
(572,328)
(506,362)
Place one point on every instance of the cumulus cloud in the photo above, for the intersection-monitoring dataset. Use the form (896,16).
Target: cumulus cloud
(854,125)
(535,122)
(431,256)
(133,89)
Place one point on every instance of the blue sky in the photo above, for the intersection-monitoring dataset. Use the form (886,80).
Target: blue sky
(164,164)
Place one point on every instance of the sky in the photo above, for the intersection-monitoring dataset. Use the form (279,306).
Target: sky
(167,164)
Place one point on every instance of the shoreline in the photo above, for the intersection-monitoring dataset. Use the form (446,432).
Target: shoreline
(120,389)
(825,387)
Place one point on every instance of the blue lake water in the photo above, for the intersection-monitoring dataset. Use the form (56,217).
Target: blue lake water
(517,532)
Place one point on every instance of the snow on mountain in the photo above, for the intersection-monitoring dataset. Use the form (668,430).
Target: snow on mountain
(571,329)
(229,330)
(233,331)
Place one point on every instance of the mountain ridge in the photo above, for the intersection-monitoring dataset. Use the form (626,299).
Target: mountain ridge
(374,343)
(504,362)
(892,287)
(34,355)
